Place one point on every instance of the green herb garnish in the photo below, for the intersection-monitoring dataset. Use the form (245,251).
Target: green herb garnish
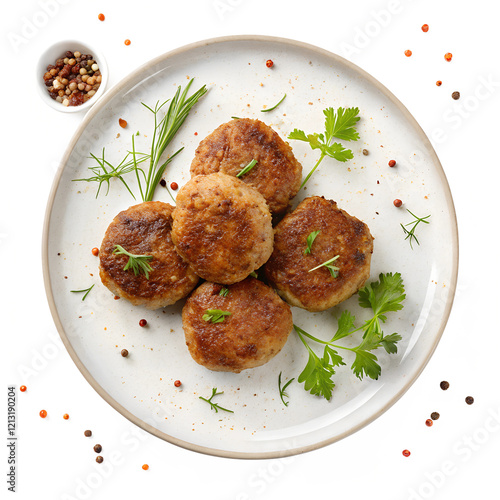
(382,297)
(137,263)
(310,241)
(254,274)
(164,131)
(274,107)
(411,233)
(339,124)
(104,171)
(246,169)
(215,406)
(215,315)
(282,390)
(223,292)
(334,270)
(87,290)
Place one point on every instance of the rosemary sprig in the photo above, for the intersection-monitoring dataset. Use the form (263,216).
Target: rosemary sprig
(164,131)
(215,406)
(282,390)
(246,169)
(410,234)
(310,241)
(137,263)
(328,264)
(87,291)
(215,315)
(274,107)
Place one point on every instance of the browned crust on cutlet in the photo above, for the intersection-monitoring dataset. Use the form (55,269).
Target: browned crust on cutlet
(233,145)
(340,234)
(255,332)
(145,229)
(222,228)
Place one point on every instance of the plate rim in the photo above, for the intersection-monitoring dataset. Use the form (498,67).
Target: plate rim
(115,90)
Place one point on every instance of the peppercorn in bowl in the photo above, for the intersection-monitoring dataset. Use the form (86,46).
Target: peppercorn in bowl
(71,76)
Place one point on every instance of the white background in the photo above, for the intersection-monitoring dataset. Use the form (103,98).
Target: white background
(459,456)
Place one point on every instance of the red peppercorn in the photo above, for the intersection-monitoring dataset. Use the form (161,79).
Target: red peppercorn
(143,322)
(397,203)
(43,413)
(425,28)
(406,453)
(429,422)
(269,63)
(22,388)
(127,42)
(408,53)
(65,416)
(392,163)
(145,466)
(174,186)
(448,56)
(439,83)
(177,383)
(95,251)
(123,123)
(101,17)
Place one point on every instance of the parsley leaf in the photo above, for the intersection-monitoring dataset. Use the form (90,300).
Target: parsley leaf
(382,296)
(339,124)
(310,241)
(215,315)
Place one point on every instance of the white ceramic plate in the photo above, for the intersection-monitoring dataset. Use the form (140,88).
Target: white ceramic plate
(141,386)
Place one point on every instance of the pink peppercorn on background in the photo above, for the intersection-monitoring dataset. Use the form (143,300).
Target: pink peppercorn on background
(423,52)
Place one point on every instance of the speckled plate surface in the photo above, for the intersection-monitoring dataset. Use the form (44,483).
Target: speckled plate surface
(141,386)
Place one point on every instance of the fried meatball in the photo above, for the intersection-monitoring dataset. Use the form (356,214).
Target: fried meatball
(289,268)
(222,228)
(232,146)
(145,229)
(254,332)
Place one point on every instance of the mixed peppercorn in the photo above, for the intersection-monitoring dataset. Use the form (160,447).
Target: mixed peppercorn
(73,79)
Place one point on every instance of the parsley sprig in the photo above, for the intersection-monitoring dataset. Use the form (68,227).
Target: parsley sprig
(381,297)
(339,124)
(164,131)
(215,406)
(410,234)
(137,263)
(215,315)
